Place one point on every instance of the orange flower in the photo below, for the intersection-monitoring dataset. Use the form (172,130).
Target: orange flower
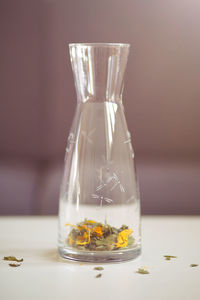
(122,239)
(98,231)
(84,240)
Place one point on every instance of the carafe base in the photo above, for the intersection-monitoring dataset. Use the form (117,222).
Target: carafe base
(98,256)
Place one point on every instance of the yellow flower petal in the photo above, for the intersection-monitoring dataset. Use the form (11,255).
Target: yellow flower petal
(69,224)
(91,221)
(122,239)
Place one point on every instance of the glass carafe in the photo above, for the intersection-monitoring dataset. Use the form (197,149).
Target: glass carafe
(99,210)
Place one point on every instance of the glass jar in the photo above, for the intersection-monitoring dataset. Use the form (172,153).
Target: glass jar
(99,210)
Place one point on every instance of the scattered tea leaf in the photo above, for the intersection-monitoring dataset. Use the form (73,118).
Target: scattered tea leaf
(99,275)
(98,268)
(12,258)
(193,265)
(168,257)
(14,265)
(142,270)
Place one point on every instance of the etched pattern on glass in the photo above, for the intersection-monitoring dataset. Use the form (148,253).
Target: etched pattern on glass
(102,199)
(104,184)
(103,170)
(116,183)
(88,135)
(128,141)
(70,141)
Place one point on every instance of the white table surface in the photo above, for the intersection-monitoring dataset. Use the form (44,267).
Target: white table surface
(43,275)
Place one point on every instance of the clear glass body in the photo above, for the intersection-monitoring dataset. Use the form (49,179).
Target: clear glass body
(99,210)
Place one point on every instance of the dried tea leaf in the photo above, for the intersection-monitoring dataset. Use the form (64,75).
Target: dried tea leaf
(123,227)
(12,258)
(98,268)
(193,265)
(110,241)
(168,257)
(131,241)
(99,275)
(90,235)
(14,265)
(142,270)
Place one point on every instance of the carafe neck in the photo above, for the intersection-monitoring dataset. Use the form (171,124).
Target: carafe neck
(99,71)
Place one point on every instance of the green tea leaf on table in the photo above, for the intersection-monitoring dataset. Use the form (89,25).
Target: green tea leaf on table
(98,268)
(142,270)
(168,257)
(12,258)
(193,265)
(14,265)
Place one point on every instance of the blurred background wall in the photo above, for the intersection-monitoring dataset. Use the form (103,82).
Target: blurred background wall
(161,96)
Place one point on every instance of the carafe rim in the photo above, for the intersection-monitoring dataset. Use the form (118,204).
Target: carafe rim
(124,45)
